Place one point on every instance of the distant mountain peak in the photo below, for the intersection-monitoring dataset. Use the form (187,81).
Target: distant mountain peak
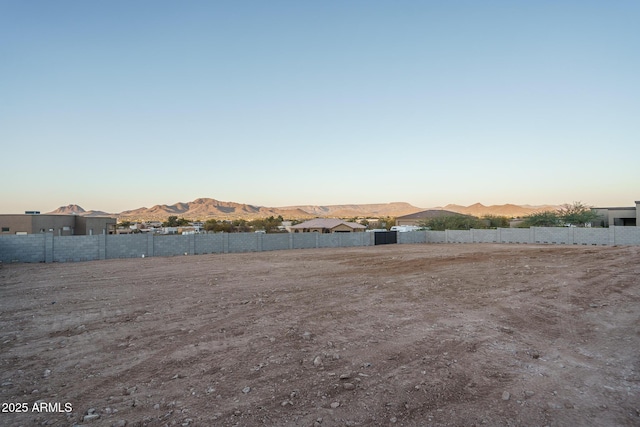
(68,210)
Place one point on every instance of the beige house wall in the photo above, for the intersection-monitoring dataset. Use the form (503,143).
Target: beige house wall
(59,225)
(618,216)
(12,224)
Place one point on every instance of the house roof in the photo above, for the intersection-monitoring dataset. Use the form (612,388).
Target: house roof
(326,223)
(431,213)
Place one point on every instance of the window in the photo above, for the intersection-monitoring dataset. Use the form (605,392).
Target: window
(5,229)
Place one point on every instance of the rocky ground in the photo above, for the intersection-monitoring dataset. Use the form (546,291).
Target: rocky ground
(397,335)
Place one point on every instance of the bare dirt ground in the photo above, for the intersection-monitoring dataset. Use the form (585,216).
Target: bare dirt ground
(398,335)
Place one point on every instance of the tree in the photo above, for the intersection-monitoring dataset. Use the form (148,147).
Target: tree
(267,224)
(577,214)
(217,226)
(387,222)
(542,219)
(241,225)
(452,222)
(174,221)
(494,221)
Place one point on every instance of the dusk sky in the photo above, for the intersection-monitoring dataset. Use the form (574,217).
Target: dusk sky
(117,105)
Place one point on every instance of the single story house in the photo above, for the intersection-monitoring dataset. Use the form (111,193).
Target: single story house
(327,225)
(619,216)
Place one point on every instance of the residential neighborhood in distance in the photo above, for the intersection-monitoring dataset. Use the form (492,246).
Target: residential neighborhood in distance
(210,215)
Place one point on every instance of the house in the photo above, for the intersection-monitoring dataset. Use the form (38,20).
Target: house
(327,225)
(60,225)
(418,217)
(619,216)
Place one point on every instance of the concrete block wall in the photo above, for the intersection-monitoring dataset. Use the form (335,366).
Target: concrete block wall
(171,245)
(625,235)
(514,235)
(355,239)
(48,248)
(76,248)
(275,242)
(244,242)
(124,246)
(459,236)
(413,237)
(209,244)
(485,236)
(590,236)
(556,235)
(23,248)
(304,240)
(328,240)
(435,236)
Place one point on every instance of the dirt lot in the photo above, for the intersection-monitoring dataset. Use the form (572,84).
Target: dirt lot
(398,335)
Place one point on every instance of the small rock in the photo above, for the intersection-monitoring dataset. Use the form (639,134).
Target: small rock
(119,423)
(90,417)
(317,361)
(156,406)
(306,335)
(246,390)
(345,376)
(46,373)
(393,419)
(529,393)
(334,405)
(348,386)
(506,395)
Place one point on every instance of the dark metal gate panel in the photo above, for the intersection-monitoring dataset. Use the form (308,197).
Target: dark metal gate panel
(386,237)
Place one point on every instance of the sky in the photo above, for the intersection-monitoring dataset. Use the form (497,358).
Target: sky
(123,104)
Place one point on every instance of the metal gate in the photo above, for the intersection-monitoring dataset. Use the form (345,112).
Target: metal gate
(386,237)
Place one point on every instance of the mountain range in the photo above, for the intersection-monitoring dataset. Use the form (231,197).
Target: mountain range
(205,208)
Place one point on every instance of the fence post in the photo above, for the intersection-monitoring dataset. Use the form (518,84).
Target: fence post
(48,247)
(612,235)
(102,246)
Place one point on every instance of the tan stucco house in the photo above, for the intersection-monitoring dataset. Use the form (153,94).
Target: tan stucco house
(327,225)
(620,216)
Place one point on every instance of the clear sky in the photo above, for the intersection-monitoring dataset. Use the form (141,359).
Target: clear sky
(117,105)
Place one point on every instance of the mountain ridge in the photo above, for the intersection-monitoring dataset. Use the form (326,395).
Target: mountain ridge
(207,208)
